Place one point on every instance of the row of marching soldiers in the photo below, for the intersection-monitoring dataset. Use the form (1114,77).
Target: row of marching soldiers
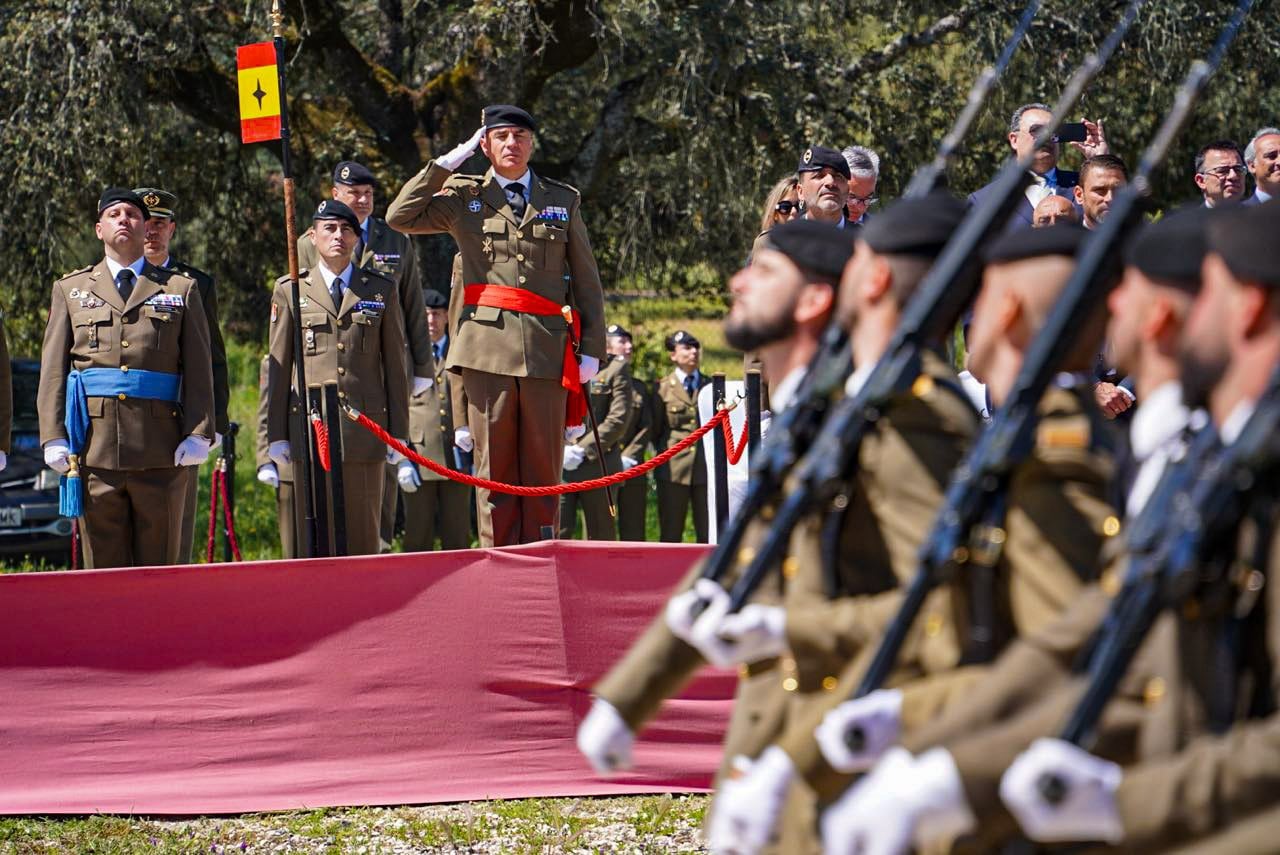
(965,752)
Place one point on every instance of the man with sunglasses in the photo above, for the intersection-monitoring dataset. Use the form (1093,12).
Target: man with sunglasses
(1220,173)
(864,173)
(1024,126)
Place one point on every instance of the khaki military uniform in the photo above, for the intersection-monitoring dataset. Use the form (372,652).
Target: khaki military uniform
(1057,521)
(221,394)
(360,346)
(431,435)
(511,361)
(682,481)
(610,396)
(390,254)
(127,471)
(286,515)
(6,394)
(633,494)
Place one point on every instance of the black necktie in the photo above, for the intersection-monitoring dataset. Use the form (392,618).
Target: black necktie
(689,384)
(435,349)
(515,197)
(124,281)
(335,291)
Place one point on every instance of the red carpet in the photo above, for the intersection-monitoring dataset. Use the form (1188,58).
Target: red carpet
(385,680)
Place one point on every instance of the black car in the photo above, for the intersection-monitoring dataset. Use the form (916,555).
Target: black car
(29,519)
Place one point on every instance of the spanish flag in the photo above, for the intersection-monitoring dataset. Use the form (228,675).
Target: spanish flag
(259,86)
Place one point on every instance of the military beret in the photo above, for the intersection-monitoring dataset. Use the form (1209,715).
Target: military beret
(1173,248)
(507,116)
(433,299)
(617,330)
(681,337)
(161,203)
(918,226)
(350,172)
(1060,239)
(812,245)
(112,195)
(819,157)
(1245,238)
(332,209)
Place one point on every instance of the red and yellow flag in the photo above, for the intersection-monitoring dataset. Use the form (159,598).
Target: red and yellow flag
(259,86)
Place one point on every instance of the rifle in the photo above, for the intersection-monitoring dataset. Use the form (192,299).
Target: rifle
(947,289)
(984,474)
(794,428)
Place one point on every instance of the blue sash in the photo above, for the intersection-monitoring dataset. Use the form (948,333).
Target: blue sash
(111,383)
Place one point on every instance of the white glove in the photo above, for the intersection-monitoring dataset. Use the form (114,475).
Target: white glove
(393,456)
(588,367)
(629,463)
(756,632)
(407,475)
(903,802)
(462,439)
(280,453)
(746,808)
(680,615)
(4,460)
(878,717)
(573,457)
(192,451)
(458,156)
(268,474)
(604,738)
(1088,808)
(56,452)
(421,385)
(574,433)
(217,442)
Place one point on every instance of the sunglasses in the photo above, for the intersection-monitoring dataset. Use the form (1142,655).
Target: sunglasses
(786,208)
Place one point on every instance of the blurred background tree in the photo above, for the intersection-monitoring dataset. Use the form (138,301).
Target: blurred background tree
(673,118)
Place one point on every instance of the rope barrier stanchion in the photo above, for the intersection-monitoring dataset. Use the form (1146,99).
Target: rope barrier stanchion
(550,489)
(228,517)
(214,495)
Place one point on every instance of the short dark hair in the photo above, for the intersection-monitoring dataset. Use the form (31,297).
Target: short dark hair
(1015,123)
(1217,145)
(1103,161)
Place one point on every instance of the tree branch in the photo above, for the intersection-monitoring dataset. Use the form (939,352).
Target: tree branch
(870,63)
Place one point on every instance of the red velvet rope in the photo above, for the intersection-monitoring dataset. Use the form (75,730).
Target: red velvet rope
(734,450)
(549,490)
(218,490)
(213,515)
(227,516)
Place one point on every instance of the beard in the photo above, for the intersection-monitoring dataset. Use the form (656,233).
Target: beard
(744,335)
(1199,376)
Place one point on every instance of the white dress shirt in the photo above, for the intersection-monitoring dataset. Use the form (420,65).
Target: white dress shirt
(1155,435)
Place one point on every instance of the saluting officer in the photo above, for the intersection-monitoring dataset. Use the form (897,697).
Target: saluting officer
(525,254)
(633,495)
(383,250)
(610,393)
(126,384)
(682,481)
(429,497)
(158,232)
(349,338)
(277,477)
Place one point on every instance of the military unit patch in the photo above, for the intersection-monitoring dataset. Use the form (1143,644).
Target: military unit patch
(474,206)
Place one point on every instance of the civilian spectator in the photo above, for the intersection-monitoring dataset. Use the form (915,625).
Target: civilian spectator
(864,174)
(1262,156)
(1054,209)
(781,206)
(1220,173)
(1101,177)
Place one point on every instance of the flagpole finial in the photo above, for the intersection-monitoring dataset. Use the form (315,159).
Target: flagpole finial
(277,19)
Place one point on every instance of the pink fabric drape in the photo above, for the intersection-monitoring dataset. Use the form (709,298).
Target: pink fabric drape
(381,680)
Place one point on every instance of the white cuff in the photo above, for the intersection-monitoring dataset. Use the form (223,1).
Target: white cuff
(945,812)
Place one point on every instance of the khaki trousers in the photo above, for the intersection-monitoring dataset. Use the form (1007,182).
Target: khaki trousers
(130,518)
(189,514)
(632,499)
(437,507)
(595,512)
(518,427)
(285,514)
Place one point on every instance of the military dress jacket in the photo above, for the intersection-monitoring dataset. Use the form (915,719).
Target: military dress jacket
(675,416)
(610,394)
(217,348)
(161,328)
(359,345)
(390,254)
(431,422)
(546,252)
(635,436)
(261,444)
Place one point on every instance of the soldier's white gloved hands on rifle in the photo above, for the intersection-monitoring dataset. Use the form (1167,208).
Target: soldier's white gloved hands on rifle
(1088,808)
(876,718)
(754,633)
(748,802)
(605,739)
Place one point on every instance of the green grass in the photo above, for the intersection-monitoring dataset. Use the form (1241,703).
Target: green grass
(635,824)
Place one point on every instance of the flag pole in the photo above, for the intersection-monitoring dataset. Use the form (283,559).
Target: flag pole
(301,461)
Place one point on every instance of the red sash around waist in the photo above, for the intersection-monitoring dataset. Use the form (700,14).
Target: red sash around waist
(523,300)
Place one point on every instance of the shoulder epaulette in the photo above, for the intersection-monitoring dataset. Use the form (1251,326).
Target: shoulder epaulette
(76,273)
(563,184)
(193,272)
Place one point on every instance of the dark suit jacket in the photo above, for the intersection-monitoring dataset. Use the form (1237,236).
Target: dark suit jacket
(1022,215)
(1252,200)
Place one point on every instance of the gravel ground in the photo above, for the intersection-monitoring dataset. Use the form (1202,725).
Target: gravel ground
(636,824)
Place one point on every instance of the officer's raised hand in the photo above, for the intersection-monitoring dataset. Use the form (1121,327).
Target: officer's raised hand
(458,156)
